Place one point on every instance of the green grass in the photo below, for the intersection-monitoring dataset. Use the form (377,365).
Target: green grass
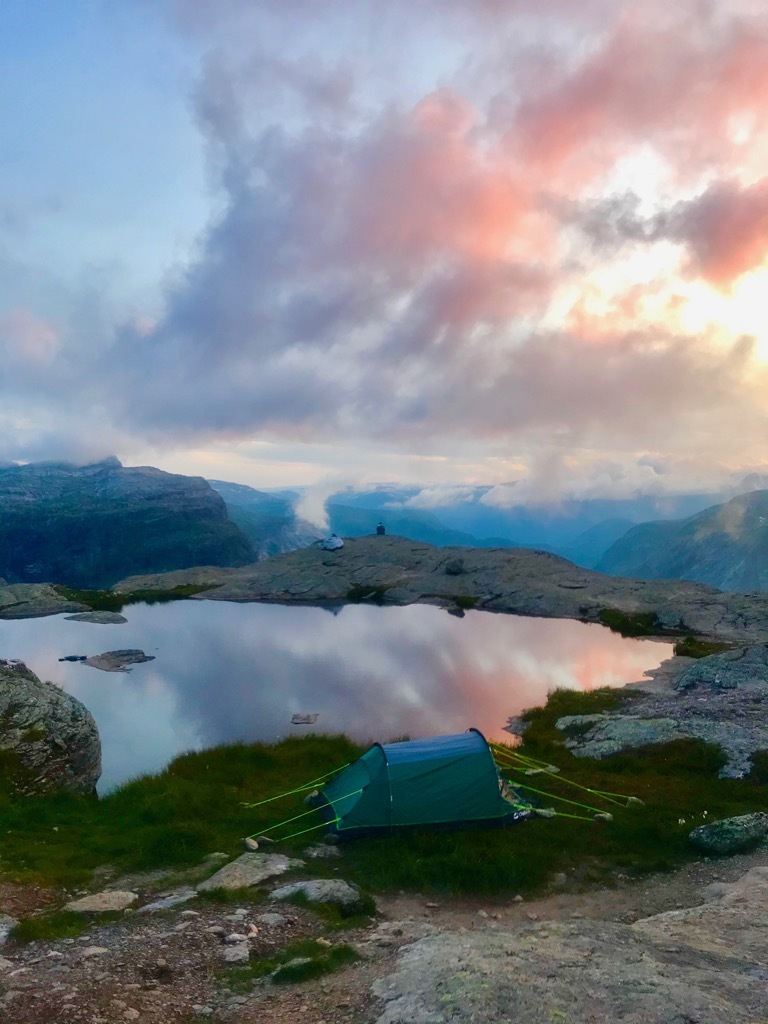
(637,624)
(373,594)
(194,807)
(693,647)
(109,601)
(465,601)
(338,915)
(171,820)
(317,960)
(59,924)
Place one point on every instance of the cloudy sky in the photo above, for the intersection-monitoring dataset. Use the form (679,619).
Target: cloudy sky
(445,241)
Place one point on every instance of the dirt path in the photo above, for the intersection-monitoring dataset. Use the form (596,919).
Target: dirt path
(168,967)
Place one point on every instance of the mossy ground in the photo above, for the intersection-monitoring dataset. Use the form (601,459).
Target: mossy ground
(694,647)
(196,806)
(631,624)
(109,601)
(313,960)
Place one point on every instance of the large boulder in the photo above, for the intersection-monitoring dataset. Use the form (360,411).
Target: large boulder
(48,739)
(89,526)
(730,835)
(742,668)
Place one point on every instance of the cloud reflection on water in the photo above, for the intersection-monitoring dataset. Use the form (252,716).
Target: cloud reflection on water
(225,672)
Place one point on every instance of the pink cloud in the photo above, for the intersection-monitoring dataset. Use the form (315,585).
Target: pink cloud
(27,337)
(674,84)
(725,229)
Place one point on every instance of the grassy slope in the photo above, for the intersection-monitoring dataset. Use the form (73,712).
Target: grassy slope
(195,807)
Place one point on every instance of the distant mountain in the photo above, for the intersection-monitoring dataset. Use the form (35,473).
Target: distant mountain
(725,546)
(579,530)
(89,526)
(268,520)
(411,523)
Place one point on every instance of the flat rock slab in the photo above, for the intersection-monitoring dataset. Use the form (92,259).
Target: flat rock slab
(730,835)
(7,923)
(116,661)
(704,964)
(249,869)
(320,890)
(102,618)
(99,902)
(169,901)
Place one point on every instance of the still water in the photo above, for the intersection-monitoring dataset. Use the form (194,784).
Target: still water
(224,672)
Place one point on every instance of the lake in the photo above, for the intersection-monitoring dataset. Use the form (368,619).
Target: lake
(225,672)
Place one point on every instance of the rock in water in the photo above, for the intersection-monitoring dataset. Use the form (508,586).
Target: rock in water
(100,618)
(730,835)
(116,661)
(48,739)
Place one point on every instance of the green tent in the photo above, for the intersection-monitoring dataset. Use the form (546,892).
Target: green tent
(445,781)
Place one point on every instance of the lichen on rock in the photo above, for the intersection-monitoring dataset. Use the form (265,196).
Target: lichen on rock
(48,739)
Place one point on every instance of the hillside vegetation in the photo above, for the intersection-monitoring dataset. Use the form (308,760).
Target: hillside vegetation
(725,546)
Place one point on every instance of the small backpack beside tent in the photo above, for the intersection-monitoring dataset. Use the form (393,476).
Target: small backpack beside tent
(444,781)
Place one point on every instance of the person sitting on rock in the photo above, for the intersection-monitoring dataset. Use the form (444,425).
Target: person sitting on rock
(380,529)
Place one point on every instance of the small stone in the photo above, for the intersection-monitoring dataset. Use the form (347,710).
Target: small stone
(216,929)
(173,899)
(217,857)
(234,938)
(272,920)
(482,913)
(518,899)
(6,926)
(323,942)
(6,965)
(322,852)
(190,913)
(131,1014)
(531,916)
(94,951)
(431,906)
(238,953)
(99,902)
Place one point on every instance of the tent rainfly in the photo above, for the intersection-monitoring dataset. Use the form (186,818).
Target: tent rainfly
(445,781)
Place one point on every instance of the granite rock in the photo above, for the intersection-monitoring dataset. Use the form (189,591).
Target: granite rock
(48,739)
(249,869)
(101,902)
(320,890)
(730,835)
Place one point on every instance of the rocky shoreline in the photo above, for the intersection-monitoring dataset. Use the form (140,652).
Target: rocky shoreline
(391,570)
(688,947)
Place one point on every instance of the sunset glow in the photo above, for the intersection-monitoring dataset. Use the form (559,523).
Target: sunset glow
(340,240)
